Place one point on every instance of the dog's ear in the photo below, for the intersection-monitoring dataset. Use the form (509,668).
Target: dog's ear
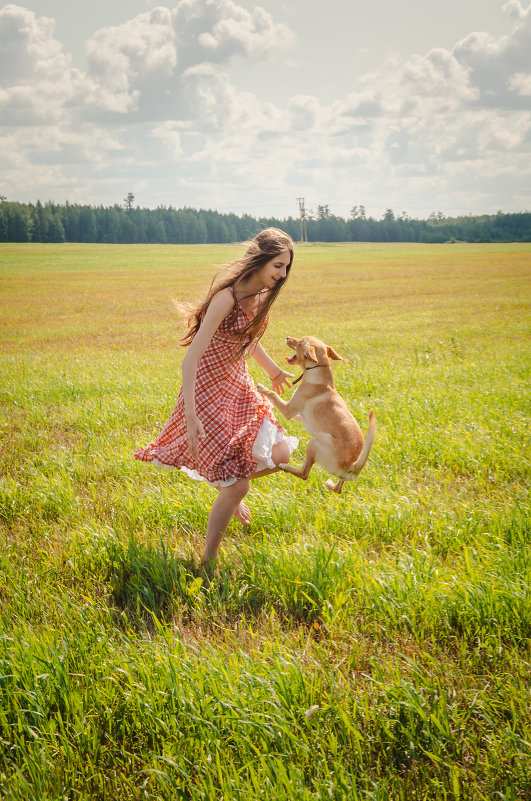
(333,355)
(309,352)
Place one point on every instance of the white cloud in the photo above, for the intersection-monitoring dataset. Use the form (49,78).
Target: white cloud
(304,112)
(37,80)
(438,78)
(150,65)
(515,10)
(27,45)
(211,97)
(239,32)
(130,59)
(464,107)
(520,83)
(169,133)
(219,30)
(493,62)
(157,109)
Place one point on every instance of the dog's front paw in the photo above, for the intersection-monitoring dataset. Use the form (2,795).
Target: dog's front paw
(263,390)
(283,466)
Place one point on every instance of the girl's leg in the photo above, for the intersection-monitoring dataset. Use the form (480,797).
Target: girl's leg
(222,510)
(280,455)
(229,503)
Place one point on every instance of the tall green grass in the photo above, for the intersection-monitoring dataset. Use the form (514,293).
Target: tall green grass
(371,646)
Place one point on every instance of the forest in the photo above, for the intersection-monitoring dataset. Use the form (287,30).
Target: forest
(130,224)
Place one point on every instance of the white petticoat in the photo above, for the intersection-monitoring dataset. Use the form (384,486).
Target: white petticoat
(268,435)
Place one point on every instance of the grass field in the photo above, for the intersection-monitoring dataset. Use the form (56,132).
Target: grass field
(400,609)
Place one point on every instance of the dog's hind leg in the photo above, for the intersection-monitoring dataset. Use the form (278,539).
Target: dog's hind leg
(335,487)
(304,471)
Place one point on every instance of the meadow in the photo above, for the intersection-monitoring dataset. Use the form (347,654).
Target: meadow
(369,646)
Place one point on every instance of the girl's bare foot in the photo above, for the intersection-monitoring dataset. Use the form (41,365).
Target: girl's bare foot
(243,513)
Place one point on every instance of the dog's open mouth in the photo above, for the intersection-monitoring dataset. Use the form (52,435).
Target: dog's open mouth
(291,359)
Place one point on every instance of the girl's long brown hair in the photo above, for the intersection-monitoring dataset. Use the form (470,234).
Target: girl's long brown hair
(263,248)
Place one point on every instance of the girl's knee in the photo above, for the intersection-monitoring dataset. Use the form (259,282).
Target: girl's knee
(241,488)
(280,453)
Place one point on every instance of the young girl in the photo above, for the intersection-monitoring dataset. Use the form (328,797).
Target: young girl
(223,430)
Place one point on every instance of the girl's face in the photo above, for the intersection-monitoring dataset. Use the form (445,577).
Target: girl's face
(274,271)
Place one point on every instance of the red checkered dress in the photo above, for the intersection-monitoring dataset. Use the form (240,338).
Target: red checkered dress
(230,408)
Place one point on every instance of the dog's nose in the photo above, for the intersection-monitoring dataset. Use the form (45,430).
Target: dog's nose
(291,341)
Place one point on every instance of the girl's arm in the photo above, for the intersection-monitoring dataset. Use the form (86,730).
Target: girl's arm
(219,307)
(278,376)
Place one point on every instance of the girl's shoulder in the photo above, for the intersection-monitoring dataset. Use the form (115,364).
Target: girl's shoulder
(223,300)
(220,306)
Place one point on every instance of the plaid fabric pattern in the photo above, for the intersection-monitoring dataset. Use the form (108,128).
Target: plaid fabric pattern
(229,406)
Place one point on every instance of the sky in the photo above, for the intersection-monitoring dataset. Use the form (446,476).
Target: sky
(414,105)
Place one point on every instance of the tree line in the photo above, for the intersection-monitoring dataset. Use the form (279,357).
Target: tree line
(71,222)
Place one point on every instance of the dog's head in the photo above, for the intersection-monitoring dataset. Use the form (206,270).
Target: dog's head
(310,351)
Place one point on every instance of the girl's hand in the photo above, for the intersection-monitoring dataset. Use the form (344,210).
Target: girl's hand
(195,431)
(279,380)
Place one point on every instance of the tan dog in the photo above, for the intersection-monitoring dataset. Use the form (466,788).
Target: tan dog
(337,442)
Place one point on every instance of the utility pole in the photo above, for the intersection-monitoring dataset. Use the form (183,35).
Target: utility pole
(302,219)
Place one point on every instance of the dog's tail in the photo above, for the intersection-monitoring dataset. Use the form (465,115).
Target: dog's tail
(360,462)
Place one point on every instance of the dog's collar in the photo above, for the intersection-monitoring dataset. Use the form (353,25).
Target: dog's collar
(307,368)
